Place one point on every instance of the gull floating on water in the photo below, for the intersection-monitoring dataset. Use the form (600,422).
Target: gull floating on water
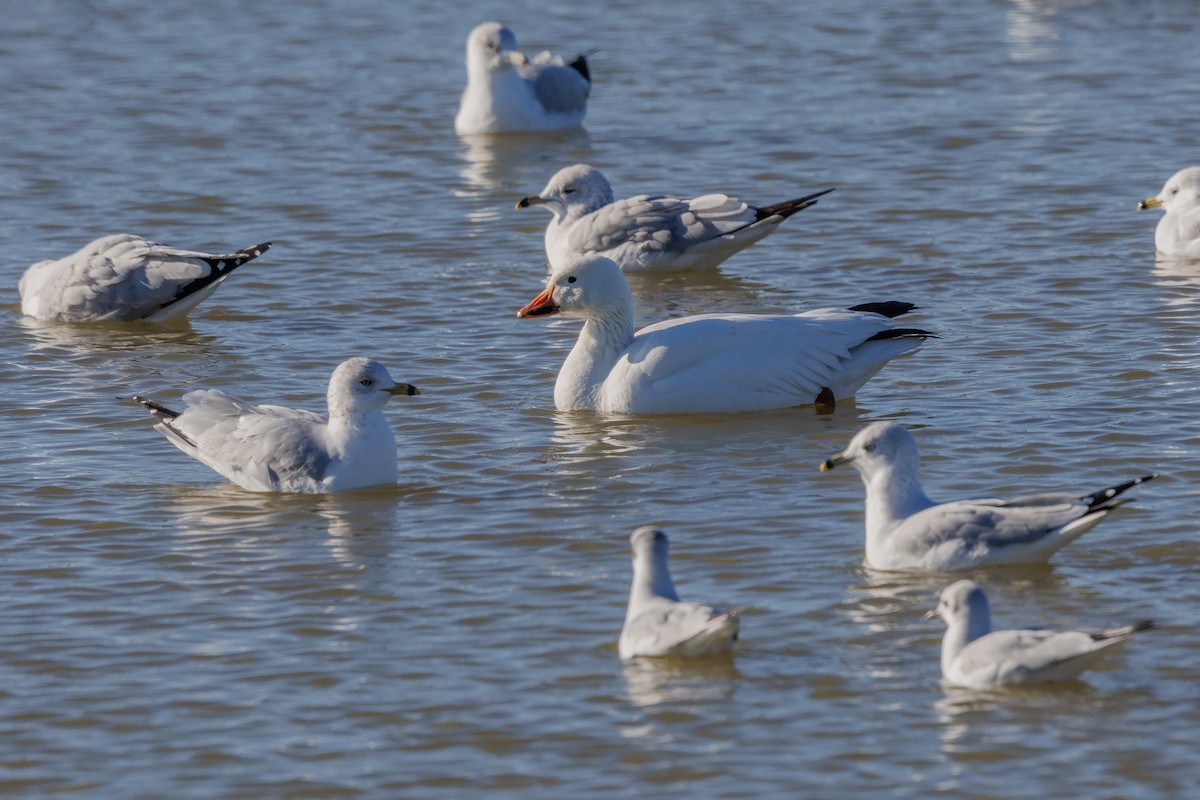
(908,531)
(657,623)
(122,278)
(976,658)
(1178,232)
(710,362)
(278,449)
(508,93)
(650,232)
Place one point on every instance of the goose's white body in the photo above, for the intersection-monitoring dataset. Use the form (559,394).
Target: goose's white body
(657,623)
(1178,232)
(276,449)
(706,363)
(508,93)
(905,530)
(122,278)
(975,657)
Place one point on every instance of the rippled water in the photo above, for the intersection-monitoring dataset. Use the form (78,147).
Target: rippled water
(165,635)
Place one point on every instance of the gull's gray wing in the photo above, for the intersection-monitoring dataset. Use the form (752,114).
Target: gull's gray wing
(659,224)
(665,629)
(559,87)
(1007,657)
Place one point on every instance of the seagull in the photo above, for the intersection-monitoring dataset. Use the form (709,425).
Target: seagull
(508,93)
(1178,232)
(650,232)
(278,449)
(711,362)
(976,658)
(908,531)
(656,622)
(123,278)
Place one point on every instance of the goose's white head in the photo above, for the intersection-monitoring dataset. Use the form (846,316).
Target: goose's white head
(963,603)
(1182,190)
(360,385)
(880,445)
(573,192)
(592,287)
(491,46)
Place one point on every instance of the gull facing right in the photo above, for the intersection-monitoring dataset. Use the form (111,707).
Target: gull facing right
(650,232)
(908,531)
(278,449)
(657,623)
(975,657)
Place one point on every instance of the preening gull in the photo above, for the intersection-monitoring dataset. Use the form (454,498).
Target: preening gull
(976,658)
(656,622)
(710,362)
(278,449)
(509,93)
(123,278)
(650,232)
(908,531)
(1178,232)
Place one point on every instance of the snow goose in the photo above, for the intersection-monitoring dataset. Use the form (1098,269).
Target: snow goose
(710,362)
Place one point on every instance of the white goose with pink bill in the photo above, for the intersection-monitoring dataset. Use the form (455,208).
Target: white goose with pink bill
(651,233)
(711,362)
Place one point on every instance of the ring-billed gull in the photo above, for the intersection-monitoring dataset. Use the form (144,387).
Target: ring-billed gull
(1178,232)
(508,93)
(908,531)
(656,622)
(710,362)
(278,449)
(975,657)
(650,232)
(123,278)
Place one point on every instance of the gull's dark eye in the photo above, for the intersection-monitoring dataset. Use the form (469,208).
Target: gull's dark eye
(870,447)
(571,279)
(568,191)
(1175,190)
(366,381)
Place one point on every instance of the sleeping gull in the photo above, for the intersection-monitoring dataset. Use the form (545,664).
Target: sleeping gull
(508,93)
(123,278)
(656,622)
(976,658)
(650,232)
(710,362)
(1178,232)
(908,531)
(278,449)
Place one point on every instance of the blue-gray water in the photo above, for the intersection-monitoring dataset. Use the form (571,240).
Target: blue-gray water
(164,634)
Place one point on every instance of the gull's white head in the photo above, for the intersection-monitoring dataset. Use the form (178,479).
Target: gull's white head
(493,47)
(360,385)
(1182,190)
(963,603)
(573,192)
(589,287)
(649,544)
(878,446)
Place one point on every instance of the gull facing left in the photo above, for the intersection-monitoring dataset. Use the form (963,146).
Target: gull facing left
(1178,232)
(657,623)
(975,657)
(650,232)
(123,278)
(908,531)
(276,449)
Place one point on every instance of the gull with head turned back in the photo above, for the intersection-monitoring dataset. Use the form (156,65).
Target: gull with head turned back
(908,531)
